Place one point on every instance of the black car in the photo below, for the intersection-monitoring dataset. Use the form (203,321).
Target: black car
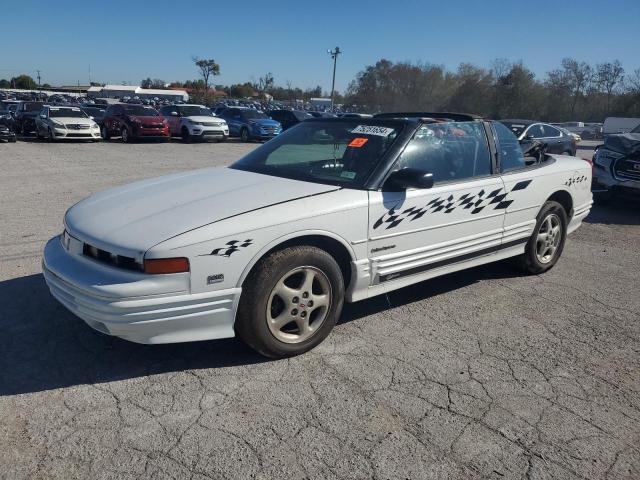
(289,118)
(556,140)
(322,114)
(96,112)
(25,116)
(6,129)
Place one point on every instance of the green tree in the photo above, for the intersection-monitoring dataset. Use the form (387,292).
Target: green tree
(208,68)
(23,81)
(4,83)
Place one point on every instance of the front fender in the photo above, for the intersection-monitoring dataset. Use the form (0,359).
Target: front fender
(291,236)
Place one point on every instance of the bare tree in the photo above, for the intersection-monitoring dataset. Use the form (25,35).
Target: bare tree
(208,67)
(609,75)
(578,76)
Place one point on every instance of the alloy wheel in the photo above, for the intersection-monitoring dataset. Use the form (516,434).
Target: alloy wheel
(548,239)
(298,304)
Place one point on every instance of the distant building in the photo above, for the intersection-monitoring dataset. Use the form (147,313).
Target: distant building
(119,91)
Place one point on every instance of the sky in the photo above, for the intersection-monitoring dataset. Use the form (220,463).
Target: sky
(126,41)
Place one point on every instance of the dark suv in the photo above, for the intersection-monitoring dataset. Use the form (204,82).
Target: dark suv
(130,121)
(24,119)
(555,139)
(289,118)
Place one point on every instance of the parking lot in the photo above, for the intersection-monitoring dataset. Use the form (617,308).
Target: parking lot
(480,374)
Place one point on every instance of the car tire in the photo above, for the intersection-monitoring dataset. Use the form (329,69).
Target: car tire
(186,136)
(124,135)
(546,243)
(302,324)
(50,137)
(104,133)
(38,134)
(244,135)
(13,140)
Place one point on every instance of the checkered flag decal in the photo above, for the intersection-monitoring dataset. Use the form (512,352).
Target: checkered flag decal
(575,180)
(231,247)
(474,202)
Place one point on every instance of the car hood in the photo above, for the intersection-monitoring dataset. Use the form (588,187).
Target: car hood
(145,120)
(264,121)
(73,120)
(204,118)
(133,218)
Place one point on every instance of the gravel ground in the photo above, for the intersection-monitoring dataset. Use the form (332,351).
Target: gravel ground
(479,374)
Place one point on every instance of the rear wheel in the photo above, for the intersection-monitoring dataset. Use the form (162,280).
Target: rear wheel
(290,302)
(547,241)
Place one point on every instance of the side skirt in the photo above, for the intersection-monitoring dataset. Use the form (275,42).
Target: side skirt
(510,249)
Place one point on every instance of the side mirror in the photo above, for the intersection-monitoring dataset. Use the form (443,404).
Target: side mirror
(174,114)
(409,178)
(42,115)
(91,117)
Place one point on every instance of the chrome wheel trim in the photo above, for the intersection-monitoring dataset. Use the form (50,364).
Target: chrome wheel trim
(299,304)
(548,238)
(125,135)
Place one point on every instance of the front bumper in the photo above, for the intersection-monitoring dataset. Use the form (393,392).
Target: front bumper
(604,180)
(141,131)
(84,134)
(135,306)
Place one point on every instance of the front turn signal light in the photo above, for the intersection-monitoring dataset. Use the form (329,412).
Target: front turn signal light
(166,265)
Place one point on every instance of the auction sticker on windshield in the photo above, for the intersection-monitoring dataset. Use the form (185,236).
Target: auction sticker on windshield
(373,130)
(358,142)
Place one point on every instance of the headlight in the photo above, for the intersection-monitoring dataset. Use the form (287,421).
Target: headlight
(192,122)
(57,124)
(605,158)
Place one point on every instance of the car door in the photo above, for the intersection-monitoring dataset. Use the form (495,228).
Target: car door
(430,231)
(232,116)
(553,138)
(41,121)
(172,114)
(524,195)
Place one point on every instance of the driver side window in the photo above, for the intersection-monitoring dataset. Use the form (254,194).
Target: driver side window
(450,151)
(511,156)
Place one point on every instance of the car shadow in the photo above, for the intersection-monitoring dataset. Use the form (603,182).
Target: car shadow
(617,211)
(45,347)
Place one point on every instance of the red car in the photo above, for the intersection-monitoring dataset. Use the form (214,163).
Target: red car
(131,122)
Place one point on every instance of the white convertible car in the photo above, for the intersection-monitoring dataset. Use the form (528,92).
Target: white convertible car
(332,210)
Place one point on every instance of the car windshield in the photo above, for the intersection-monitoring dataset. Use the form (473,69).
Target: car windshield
(140,111)
(195,111)
(32,107)
(66,112)
(334,153)
(252,114)
(516,127)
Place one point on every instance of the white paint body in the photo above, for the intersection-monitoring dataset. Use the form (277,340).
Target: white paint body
(195,214)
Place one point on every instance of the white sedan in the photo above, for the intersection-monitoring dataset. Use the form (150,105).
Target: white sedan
(332,210)
(66,123)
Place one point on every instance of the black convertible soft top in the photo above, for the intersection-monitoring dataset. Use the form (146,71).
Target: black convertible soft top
(625,143)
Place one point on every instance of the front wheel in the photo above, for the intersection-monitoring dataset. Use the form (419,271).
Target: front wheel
(547,241)
(244,135)
(186,136)
(125,136)
(290,302)
(104,133)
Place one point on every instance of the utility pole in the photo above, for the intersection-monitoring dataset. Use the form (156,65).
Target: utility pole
(38,78)
(334,55)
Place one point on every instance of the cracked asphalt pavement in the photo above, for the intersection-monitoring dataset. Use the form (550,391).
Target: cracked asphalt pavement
(480,374)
